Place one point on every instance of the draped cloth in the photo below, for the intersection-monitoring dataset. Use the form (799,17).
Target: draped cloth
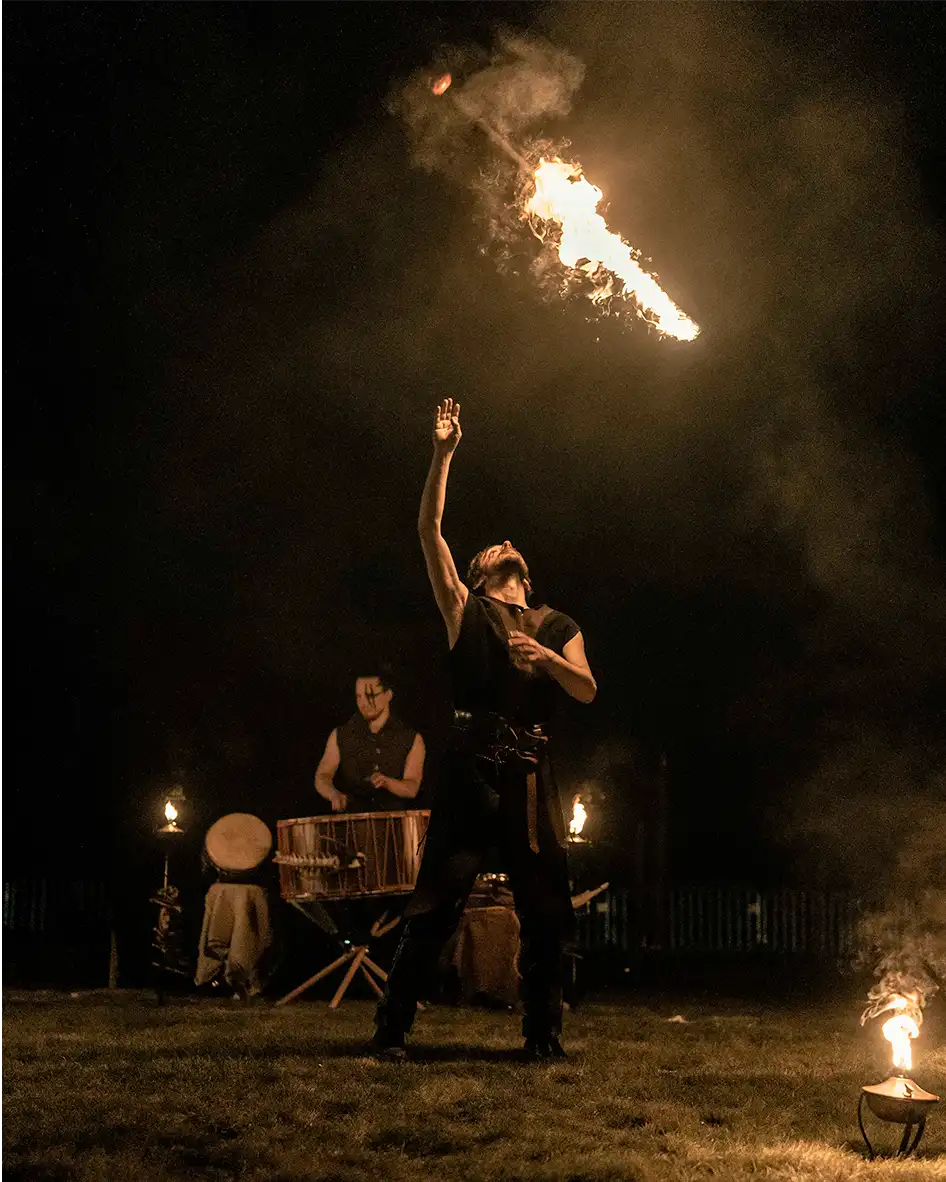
(236,938)
(486,953)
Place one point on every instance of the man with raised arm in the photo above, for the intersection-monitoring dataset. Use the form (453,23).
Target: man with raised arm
(508,661)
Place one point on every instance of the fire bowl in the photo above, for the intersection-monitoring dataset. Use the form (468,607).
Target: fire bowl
(899,1100)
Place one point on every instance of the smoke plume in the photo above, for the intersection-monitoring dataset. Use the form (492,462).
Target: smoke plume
(905,942)
(524,80)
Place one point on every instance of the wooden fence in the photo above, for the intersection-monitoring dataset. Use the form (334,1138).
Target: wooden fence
(54,905)
(693,920)
(722,920)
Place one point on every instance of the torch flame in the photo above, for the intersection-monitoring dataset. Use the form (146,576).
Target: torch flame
(170,811)
(898,1030)
(563,195)
(579,817)
(442,84)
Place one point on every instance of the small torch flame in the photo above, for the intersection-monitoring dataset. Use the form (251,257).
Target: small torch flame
(563,195)
(170,811)
(442,84)
(579,817)
(898,1030)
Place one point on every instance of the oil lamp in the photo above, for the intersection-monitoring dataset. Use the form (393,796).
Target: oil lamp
(898,1100)
(174,801)
(577,823)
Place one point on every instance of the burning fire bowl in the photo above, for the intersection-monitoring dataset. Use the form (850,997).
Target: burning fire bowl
(900,1101)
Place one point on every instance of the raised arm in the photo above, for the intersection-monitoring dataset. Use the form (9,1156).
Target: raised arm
(449,591)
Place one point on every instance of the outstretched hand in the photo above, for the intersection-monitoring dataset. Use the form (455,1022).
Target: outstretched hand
(447,431)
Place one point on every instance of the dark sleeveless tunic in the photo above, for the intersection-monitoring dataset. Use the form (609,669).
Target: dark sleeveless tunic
(485,679)
(487,798)
(362,752)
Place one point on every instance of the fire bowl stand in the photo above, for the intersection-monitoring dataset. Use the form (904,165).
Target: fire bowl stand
(898,1101)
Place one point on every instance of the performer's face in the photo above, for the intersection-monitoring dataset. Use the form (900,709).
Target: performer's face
(503,561)
(372,697)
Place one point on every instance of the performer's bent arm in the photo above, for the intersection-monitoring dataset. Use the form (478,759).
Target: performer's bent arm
(449,591)
(409,784)
(571,670)
(324,773)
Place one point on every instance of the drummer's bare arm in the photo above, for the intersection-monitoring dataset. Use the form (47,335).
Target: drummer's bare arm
(409,785)
(449,591)
(324,773)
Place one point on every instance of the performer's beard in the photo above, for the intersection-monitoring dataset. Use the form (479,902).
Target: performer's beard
(511,563)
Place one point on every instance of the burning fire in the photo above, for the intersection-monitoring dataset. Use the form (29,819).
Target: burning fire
(170,812)
(579,817)
(898,1031)
(563,195)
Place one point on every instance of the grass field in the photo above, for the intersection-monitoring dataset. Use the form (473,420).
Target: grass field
(110,1087)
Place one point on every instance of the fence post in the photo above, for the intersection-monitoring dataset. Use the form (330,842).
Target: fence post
(112,959)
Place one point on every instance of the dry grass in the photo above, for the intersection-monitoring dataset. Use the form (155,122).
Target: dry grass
(110,1088)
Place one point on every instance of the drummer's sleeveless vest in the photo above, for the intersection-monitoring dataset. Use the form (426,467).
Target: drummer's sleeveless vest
(362,753)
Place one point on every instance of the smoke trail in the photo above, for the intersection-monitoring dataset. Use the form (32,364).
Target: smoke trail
(905,943)
(524,80)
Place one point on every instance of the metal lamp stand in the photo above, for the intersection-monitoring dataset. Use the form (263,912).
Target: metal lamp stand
(165,933)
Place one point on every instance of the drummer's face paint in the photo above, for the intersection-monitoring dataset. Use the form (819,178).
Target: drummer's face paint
(372,698)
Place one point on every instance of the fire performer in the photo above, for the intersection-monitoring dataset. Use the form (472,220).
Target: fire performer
(507,662)
(374,762)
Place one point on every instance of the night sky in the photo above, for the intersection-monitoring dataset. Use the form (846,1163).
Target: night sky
(233,300)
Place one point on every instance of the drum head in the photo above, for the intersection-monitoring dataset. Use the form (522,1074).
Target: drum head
(238,841)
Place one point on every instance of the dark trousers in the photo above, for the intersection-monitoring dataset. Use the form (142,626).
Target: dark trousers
(483,810)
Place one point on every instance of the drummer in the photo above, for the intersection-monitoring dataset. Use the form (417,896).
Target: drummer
(374,763)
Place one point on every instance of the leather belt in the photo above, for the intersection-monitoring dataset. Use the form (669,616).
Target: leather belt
(503,742)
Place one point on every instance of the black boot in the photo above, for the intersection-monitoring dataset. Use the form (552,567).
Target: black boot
(388,1046)
(541,1049)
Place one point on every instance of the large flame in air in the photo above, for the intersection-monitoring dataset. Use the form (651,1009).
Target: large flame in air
(170,812)
(564,196)
(898,1031)
(579,817)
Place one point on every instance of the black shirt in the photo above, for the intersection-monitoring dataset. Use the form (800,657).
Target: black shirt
(484,677)
(362,752)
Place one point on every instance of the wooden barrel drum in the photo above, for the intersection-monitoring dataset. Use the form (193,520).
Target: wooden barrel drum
(350,854)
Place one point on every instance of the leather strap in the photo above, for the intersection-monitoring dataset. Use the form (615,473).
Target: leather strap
(532,812)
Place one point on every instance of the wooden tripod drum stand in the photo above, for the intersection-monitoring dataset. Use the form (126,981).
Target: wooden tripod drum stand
(359,958)
(347,856)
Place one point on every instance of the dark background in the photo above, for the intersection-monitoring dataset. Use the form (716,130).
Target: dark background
(232,303)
